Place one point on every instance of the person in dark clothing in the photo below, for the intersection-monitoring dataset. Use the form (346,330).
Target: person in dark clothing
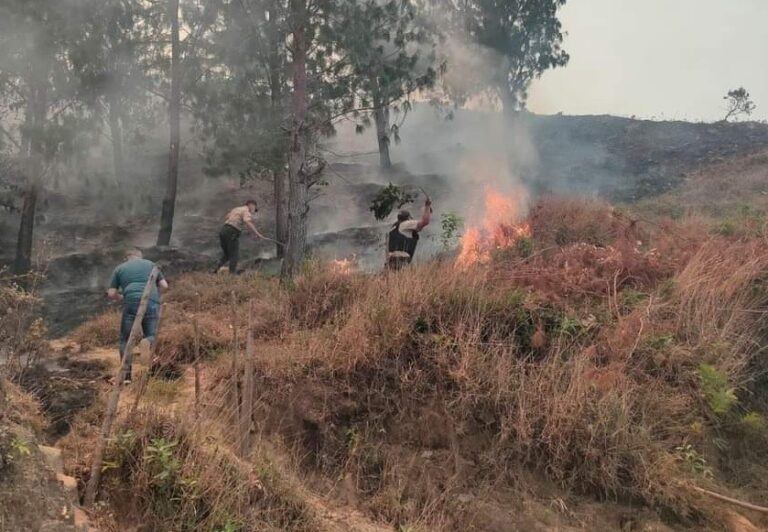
(229,236)
(127,284)
(404,236)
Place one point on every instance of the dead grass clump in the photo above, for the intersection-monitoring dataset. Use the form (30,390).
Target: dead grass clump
(587,271)
(563,220)
(320,294)
(197,291)
(176,337)
(99,331)
(163,473)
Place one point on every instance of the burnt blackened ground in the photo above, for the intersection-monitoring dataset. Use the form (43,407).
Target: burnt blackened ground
(624,159)
(65,387)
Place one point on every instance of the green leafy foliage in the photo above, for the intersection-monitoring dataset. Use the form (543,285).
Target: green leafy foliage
(450,225)
(660,341)
(694,461)
(388,199)
(630,298)
(231,525)
(525,246)
(390,55)
(754,422)
(528,35)
(161,462)
(720,396)
(12,449)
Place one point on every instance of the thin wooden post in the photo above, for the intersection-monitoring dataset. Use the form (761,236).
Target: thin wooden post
(235,364)
(197,368)
(114,397)
(247,410)
(3,396)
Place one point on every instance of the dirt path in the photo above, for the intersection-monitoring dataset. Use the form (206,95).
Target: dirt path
(329,516)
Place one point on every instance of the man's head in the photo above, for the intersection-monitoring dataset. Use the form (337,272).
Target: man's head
(133,254)
(251,204)
(403,216)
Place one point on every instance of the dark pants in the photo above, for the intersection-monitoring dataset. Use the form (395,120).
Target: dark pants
(229,238)
(397,263)
(148,323)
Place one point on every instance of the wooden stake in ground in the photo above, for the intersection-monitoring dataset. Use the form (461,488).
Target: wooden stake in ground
(247,410)
(235,368)
(197,368)
(114,397)
(3,394)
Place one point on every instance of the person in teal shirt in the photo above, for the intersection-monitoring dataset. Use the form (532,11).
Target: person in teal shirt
(127,284)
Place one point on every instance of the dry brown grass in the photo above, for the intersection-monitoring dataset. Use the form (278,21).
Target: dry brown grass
(580,363)
(504,371)
(165,472)
(100,331)
(562,220)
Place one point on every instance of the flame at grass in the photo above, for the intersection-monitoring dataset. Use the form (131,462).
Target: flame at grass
(498,226)
(345,266)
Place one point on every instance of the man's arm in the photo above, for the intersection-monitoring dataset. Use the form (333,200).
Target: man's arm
(162,284)
(254,230)
(113,294)
(114,284)
(426,216)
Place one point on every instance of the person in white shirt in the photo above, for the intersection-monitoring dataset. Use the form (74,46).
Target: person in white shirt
(404,236)
(229,237)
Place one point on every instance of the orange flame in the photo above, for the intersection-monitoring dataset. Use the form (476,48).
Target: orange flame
(344,266)
(497,230)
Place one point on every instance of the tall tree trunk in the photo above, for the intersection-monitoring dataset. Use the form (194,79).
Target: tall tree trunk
(39,104)
(276,99)
(381,117)
(174,109)
(298,191)
(23,262)
(281,216)
(116,132)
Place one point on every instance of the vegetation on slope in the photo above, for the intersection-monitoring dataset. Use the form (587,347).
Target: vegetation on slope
(610,358)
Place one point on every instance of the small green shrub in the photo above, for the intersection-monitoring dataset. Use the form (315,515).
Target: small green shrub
(696,463)
(230,526)
(12,449)
(451,224)
(525,247)
(725,228)
(660,341)
(721,398)
(754,422)
(629,298)
(161,462)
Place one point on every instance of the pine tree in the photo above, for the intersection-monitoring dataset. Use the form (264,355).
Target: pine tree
(37,85)
(391,55)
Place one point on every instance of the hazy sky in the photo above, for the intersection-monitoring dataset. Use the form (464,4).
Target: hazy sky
(671,59)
